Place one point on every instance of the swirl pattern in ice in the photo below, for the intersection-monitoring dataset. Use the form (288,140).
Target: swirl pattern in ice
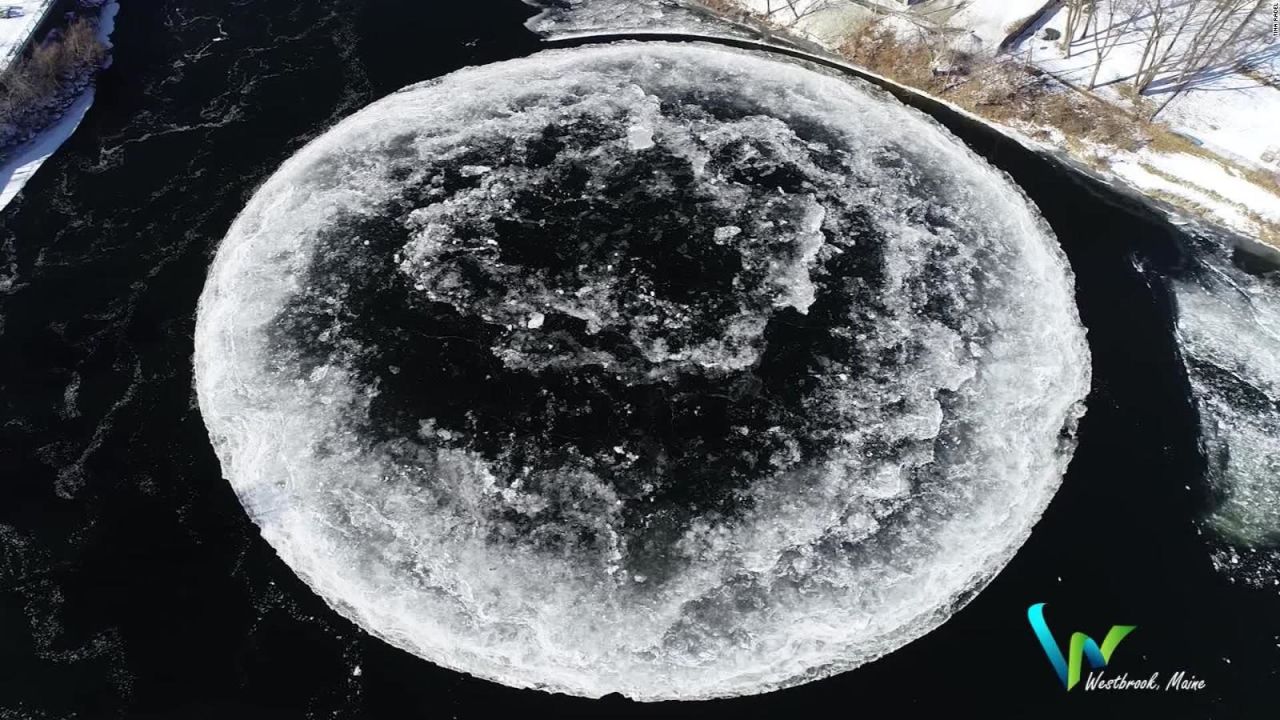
(658,369)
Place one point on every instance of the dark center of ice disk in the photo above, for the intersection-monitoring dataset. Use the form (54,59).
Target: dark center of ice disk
(667,319)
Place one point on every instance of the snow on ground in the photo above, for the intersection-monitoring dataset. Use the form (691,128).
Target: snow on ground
(1199,180)
(1221,179)
(1140,175)
(23,163)
(1230,112)
(1225,110)
(1121,54)
(1233,115)
(991,20)
(107,25)
(18,19)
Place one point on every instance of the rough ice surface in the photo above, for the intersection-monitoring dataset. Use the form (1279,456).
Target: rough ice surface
(560,19)
(1229,332)
(748,401)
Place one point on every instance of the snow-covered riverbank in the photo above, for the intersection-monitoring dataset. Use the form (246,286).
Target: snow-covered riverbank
(21,165)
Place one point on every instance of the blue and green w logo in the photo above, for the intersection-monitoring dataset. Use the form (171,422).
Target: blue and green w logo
(1082,646)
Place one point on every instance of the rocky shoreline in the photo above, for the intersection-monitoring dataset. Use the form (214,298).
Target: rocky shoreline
(35,120)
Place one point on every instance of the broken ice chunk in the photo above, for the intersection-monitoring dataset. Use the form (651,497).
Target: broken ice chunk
(640,137)
(727,233)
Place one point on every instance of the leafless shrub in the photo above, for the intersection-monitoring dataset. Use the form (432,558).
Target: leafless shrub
(37,82)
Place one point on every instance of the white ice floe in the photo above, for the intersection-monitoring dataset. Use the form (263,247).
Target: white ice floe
(1229,332)
(920,448)
(573,18)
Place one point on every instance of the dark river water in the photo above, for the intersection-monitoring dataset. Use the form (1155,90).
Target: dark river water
(132,584)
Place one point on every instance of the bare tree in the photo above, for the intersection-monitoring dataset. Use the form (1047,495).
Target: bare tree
(1153,34)
(1077,11)
(1120,15)
(1159,44)
(791,12)
(1209,44)
(1207,39)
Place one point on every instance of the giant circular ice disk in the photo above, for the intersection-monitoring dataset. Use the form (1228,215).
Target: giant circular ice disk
(659,369)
